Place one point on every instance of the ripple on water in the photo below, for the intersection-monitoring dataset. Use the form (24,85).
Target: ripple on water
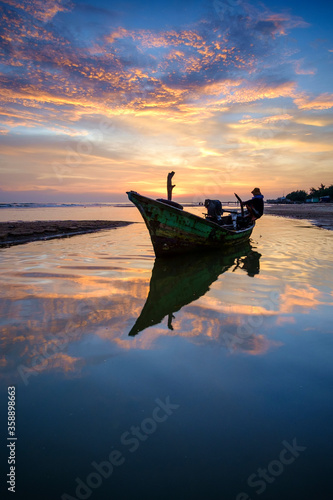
(94,330)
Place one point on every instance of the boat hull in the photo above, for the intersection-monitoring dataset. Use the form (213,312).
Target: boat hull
(174,231)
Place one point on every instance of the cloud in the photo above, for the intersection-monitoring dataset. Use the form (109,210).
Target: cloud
(221,90)
(320,102)
(300,70)
(315,120)
(132,70)
(43,10)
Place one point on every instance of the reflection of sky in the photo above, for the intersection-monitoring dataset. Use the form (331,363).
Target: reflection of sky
(215,90)
(66,309)
(63,307)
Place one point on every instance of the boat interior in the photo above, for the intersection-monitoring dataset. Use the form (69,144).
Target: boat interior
(215,213)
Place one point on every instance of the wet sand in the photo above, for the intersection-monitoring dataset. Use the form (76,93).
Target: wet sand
(320,214)
(14,233)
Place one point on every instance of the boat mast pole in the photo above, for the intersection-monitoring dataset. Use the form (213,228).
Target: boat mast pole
(170,186)
(241,204)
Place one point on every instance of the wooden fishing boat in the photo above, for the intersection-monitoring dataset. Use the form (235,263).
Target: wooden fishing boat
(174,231)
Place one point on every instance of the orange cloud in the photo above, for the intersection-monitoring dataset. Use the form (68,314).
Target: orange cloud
(262,122)
(259,91)
(44,10)
(190,83)
(323,101)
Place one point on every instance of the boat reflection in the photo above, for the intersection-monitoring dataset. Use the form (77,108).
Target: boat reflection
(179,281)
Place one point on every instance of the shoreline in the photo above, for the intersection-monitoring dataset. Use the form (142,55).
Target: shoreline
(19,232)
(321,215)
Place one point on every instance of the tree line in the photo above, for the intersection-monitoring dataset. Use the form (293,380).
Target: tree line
(302,195)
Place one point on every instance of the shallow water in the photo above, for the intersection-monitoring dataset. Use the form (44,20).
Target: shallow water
(240,347)
(71,213)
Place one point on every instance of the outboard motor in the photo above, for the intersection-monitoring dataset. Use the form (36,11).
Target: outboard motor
(214,210)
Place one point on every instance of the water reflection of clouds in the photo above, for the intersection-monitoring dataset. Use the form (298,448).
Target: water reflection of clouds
(43,342)
(50,320)
(26,336)
(299,299)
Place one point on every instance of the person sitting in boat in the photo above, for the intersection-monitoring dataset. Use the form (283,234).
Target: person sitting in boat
(214,210)
(255,206)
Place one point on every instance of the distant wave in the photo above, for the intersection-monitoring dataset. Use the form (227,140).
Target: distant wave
(87,205)
(60,205)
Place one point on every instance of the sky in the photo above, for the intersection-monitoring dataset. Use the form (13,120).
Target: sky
(99,98)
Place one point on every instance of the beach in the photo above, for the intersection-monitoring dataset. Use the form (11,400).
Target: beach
(320,214)
(14,233)
(25,231)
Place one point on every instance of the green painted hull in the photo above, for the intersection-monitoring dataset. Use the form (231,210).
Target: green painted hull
(174,231)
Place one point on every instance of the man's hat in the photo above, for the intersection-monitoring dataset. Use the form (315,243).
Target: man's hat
(256,191)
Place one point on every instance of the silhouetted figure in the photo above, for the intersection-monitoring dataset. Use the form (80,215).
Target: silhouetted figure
(214,210)
(255,206)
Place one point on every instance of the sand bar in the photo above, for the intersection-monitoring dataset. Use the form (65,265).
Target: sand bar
(320,214)
(14,233)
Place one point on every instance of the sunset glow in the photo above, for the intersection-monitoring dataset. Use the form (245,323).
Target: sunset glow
(101,98)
